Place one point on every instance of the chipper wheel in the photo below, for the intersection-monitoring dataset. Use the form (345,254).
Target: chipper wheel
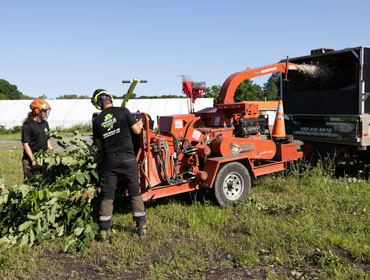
(232,183)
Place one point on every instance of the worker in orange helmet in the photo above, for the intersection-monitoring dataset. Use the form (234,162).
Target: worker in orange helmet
(35,136)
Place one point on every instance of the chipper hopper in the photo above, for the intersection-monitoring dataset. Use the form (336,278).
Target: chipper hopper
(219,147)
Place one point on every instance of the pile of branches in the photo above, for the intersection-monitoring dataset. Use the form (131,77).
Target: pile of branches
(60,203)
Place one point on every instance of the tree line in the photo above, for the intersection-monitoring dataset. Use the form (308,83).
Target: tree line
(247,90)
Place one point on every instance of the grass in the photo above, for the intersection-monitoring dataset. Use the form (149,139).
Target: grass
(293,226)
(12,136)
(11,166)
(15,133)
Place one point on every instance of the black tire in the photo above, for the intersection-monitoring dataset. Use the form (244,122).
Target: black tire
(232,183)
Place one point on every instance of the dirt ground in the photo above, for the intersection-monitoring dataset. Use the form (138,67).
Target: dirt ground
(73,267)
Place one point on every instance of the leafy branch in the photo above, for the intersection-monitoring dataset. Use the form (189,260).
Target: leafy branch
(58,203)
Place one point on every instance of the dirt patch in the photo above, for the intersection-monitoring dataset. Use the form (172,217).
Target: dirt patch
(234,273)
(260,272)
(73,266)
(70,267)
(341,252)
(11,145)
(154,257)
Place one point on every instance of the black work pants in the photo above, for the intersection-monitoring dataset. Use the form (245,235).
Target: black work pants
(117,165)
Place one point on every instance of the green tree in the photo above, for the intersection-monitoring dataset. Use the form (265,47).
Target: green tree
(212,92)
(272,87)
(248,91)
(9,91)
(160,96)
(73,96)
(133,96)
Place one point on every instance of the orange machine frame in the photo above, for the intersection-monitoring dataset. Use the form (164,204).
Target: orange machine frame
(207,141)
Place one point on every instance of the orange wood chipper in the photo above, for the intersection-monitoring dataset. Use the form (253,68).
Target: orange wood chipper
(219,147)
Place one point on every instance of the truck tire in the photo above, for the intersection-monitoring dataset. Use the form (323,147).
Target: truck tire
(232,184)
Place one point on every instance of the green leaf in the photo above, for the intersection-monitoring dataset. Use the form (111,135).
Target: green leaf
(92,234)
(39,226)
(92,166)
(88,229)
(52,214)
(61,231)
(32,236)
(39,237)
(24,240)
(52,201)
(95,226)
(41,194)
(95,174)
(71,213)
(25,225)
(33,215)
(80,178)
(4,240)
(78,231)
(24,189)
(87,177)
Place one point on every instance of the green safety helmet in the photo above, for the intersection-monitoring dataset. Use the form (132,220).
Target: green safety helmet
(99,96)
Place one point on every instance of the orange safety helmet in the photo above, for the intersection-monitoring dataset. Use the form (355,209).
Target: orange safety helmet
(39,105)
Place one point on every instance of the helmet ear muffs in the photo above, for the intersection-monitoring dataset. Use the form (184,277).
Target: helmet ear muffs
(36,111)
(95,100)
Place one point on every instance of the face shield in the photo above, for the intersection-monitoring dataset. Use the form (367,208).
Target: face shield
(44,114)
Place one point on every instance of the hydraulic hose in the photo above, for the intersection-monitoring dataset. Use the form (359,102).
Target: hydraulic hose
(176,144)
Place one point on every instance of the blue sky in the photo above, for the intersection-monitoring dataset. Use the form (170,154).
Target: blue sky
(73,47)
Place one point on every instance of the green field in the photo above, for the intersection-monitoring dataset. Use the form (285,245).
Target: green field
(13,136)
(293,226)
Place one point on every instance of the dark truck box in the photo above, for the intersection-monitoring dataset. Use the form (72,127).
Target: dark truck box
(331,104)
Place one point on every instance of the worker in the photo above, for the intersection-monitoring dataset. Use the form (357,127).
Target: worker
(35,137)
(111,133)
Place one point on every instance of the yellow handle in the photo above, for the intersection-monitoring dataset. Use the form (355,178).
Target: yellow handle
(130,91)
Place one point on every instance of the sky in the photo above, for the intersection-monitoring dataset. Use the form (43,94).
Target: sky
(54,48)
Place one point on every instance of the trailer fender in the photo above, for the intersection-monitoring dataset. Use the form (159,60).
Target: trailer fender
(213,165)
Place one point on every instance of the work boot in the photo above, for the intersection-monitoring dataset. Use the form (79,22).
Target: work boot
(141,230)
(104,235)
(140,219)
